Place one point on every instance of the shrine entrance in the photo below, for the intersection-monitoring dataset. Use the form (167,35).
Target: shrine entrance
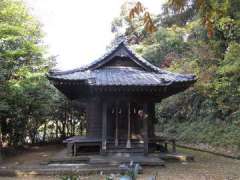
(124,121)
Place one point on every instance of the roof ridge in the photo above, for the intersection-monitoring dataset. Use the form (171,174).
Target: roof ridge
(143,62)
(140,58)
(136,57)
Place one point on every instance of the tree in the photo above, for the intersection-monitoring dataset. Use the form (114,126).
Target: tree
(133,28)
(184,10)
(199,37)
(25,91)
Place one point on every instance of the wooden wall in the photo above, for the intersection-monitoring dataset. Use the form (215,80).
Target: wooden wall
(151,119)
(94,118)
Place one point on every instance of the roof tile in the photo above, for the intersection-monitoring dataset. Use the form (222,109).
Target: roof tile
(124,76)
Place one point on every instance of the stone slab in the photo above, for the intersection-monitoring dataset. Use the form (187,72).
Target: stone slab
(126,159)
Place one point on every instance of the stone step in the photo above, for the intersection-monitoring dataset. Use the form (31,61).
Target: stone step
(126,158)
(70,160)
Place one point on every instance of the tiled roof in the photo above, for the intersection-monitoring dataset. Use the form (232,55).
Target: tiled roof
(148,74)
(124,76)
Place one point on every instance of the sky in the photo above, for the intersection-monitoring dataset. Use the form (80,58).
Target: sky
(78,31)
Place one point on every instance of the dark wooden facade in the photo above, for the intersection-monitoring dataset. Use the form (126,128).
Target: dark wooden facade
(119,91)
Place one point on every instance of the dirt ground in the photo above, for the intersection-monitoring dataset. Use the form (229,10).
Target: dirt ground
(205,167)
(32,155)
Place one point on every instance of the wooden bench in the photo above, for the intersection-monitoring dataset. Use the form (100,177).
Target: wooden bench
(75,142)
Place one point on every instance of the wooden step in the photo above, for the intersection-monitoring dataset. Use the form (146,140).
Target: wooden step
(125,141)
(124,147)
(125,150)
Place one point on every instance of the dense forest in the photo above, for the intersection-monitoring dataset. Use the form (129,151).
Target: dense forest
(192,36)
(203,38)
(31,109)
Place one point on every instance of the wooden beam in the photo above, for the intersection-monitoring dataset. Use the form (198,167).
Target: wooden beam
(89,110)
(104,128)
(116,124)
(70,148)
(145,127)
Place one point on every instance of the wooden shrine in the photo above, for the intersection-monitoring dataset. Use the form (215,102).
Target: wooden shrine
(119,92)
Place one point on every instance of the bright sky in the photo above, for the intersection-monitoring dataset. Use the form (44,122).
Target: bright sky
(78,31)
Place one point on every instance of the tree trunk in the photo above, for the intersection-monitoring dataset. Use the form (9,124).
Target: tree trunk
(1,145)
(81,127)
(63,130)
(56,133)
(3,129)
(44,132)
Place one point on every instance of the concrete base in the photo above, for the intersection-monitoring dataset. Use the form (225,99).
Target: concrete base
(63,164)
(115,159)
(109,160)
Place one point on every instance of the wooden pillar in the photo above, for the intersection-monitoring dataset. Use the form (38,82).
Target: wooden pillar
(104,128)
(145,128)
(94,114)
(174,146)
(70,148)
(116,124)
(129,127)
(74,149)
(151,120)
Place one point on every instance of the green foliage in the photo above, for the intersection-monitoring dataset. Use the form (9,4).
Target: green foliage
(166,41)
(217,134)
(27,100)
(229,27)
(209,12)
(226,87)
(135,28)
(199,37)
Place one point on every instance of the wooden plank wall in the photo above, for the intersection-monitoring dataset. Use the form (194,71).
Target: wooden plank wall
(94,118)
